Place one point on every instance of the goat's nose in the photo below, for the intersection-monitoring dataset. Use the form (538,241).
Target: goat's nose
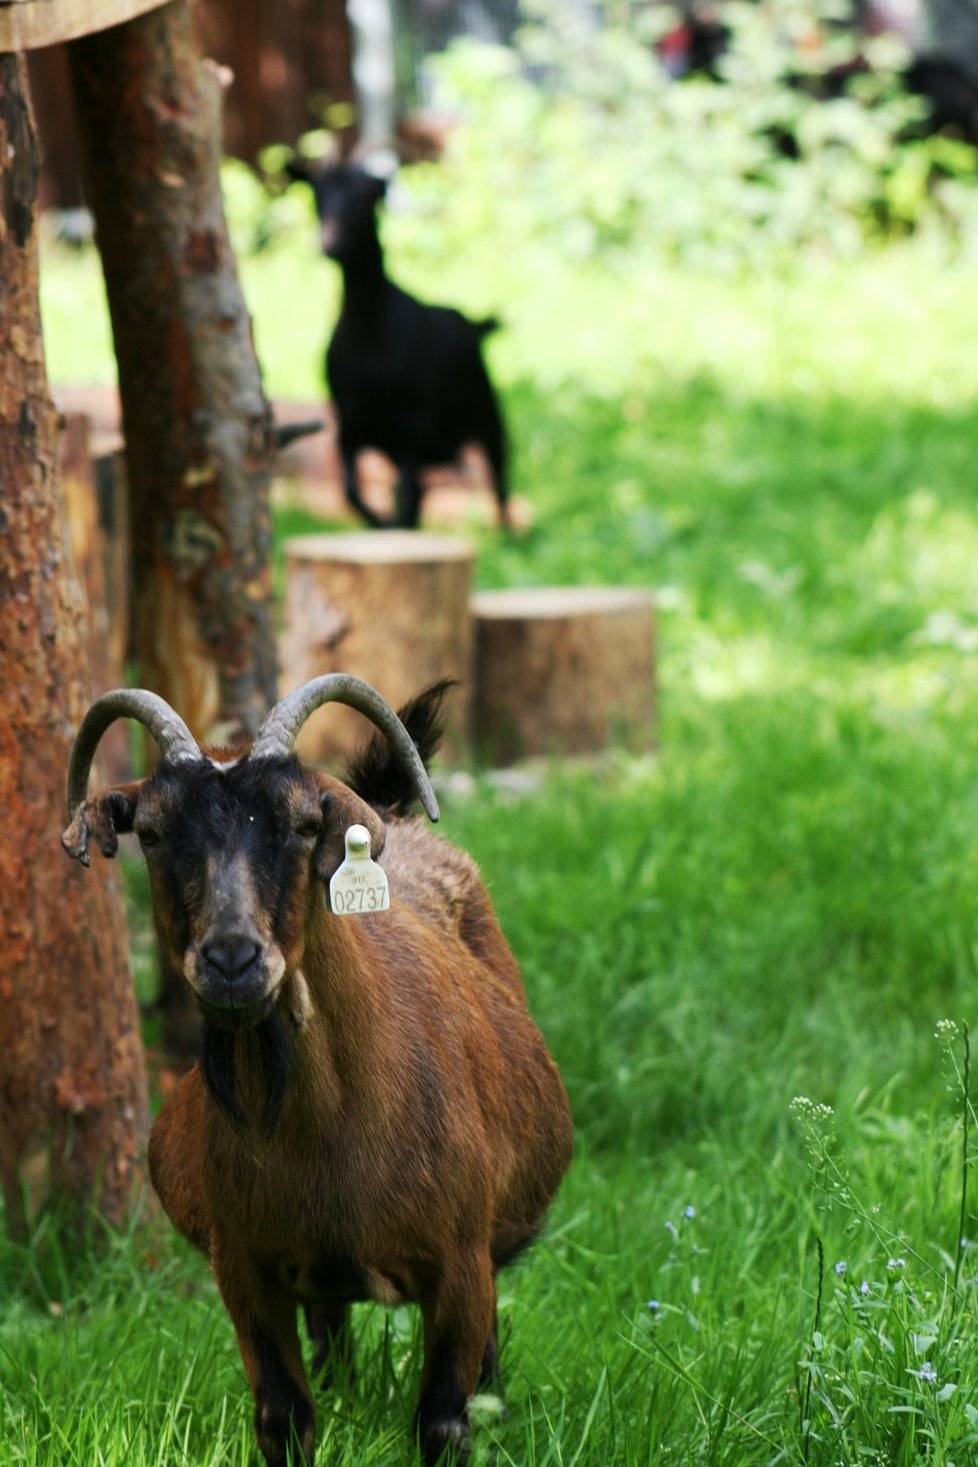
(231,955)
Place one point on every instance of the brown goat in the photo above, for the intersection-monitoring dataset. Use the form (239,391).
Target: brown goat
(375,1115)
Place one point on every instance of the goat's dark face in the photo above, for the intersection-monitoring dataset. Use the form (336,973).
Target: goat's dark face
(346,200)
(237,850)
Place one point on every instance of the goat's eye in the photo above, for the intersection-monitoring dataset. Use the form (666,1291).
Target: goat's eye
(309,829)
(148,836)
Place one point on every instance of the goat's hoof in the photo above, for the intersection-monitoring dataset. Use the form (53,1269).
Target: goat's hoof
(286,1436)
(446,1442)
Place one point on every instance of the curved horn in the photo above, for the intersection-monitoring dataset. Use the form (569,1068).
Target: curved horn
(280,729)
(168,729)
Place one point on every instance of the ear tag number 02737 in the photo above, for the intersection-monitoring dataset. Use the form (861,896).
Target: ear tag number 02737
(359,884)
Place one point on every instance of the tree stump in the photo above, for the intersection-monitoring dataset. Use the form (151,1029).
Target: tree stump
(562,670)
(390,607)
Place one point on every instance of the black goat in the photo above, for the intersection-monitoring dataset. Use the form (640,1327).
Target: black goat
(406,378)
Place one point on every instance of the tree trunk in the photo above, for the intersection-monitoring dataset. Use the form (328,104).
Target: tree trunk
(73,1110)
(198,428)
(99,553)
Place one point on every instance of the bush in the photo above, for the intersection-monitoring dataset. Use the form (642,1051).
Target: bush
(577,142)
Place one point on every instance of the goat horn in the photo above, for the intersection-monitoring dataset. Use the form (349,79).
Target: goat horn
(168,729)
(280,729)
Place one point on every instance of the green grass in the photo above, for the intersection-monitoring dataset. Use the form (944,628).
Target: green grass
(780,903)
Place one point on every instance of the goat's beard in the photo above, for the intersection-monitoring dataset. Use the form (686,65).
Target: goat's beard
(239,1066)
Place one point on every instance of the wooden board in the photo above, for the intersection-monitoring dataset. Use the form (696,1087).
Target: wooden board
(390,606)
(562,670)
(26,25)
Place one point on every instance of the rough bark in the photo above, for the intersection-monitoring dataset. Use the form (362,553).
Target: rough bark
(99,551)
(73,1110)
(198,428)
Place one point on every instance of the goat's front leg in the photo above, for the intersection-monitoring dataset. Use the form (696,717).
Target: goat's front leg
(497,452)
(351,488)
(407,497)
(459,1314)
(264,1319)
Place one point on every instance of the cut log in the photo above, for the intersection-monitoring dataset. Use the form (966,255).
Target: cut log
(562,670)
(81,508)
(113,509)
(391,608)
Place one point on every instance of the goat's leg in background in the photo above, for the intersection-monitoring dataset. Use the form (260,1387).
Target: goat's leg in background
(458,1310)
(496,449)
(264,1319)
(407,497)
(351,487)
(331,1333)
(490,1377)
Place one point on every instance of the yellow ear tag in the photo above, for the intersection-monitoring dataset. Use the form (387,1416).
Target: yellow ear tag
(359,884)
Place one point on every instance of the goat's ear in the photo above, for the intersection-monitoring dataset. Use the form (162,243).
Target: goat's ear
(341,809)
(102,819)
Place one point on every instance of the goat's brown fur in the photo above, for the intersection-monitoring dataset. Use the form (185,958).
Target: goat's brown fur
(422,1133)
